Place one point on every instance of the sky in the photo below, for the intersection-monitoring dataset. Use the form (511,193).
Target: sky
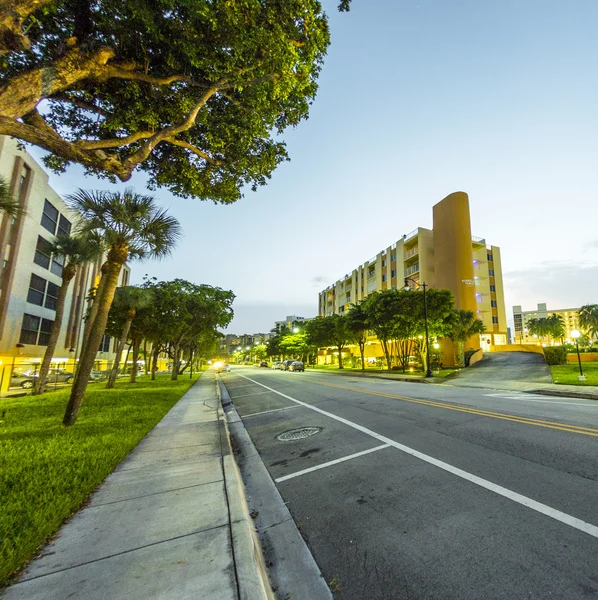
(417,99)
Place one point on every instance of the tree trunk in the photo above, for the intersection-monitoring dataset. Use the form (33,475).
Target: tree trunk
(386,353)
(362,352)
(87,359)
(146,360)
(175,364)
(67,274)
(460,354)
(93,310)
(119,351)
(133,377)
(340,357)
(156,352)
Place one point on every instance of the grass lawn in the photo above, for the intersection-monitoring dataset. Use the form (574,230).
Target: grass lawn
(569,373)
(47,471)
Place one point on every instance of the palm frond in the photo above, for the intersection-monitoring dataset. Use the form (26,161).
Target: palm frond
(8,203)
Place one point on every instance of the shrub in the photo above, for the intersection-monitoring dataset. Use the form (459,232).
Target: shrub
(556,355)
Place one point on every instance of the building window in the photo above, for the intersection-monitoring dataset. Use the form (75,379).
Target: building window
(57,265)
(383,277)
(105,344)
(37,289)
(29,329)
(64,227)
(493,303)
(489,257)
(383,262)
(43,253)
(492,287)
(50,217)
(495,320)
(393,256)
(51,296)
(44,332)
(491,272)
(393,273)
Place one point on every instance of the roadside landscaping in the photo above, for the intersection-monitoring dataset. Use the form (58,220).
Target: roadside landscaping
(568,374)
(377,371)
(47,471)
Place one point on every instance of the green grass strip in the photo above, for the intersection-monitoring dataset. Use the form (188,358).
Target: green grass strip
(47,471)
(568,374)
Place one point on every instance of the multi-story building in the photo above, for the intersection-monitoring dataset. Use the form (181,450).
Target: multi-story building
(521,318)
(31,276)
(290,321)
(444,257)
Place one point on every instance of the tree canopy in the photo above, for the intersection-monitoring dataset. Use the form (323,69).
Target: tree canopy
(193,92)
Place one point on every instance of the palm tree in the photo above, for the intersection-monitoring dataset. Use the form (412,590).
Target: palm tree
(132,226)
(7,200)
(76,250)
(557,327)
(128,300)
(465,325)
(588,319)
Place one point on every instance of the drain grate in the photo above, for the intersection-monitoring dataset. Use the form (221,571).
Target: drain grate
(298,434)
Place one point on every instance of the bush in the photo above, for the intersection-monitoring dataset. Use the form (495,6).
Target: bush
(556,355)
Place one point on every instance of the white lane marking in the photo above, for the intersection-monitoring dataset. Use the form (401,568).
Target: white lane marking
(265,412)
(330,463)
(246,395)
(548,511)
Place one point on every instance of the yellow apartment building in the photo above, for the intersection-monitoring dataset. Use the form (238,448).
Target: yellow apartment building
(30,275)
(444,257)
(521,318)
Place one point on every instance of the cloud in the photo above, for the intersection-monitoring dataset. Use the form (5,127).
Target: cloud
(319,280)
(559,284)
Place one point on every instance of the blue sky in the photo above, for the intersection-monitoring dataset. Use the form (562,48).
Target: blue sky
(417,99)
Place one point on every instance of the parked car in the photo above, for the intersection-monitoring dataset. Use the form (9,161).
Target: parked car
(264,363)
(277,365)
(21,380)
(296,365)
(60,376)
(286,364)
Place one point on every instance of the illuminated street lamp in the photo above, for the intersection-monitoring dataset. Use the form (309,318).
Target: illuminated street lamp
(423,286)
(296,330)
(575,334)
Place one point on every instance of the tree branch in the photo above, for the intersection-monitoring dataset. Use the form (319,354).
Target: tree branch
(113,143)
(80,104)
(169,132)
(12,15)
(193,149)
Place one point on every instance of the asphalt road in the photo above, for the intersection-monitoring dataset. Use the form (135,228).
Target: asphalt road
(414,491)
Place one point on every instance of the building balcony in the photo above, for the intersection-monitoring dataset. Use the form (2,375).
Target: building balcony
(412,269)
(411,252)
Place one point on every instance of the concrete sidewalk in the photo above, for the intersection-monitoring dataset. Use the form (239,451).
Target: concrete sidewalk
(171,522)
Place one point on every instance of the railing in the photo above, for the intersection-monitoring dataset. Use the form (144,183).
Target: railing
(371,274)
(478,240)
(412,269)
(410,235)
(372,260)
(411,252)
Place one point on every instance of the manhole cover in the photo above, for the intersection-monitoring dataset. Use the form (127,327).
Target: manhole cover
(298,434)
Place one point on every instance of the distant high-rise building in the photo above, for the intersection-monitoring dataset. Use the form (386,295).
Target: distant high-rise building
(521,318)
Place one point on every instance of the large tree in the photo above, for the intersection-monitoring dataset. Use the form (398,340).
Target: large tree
(357,324)
(193,92)
(132,226)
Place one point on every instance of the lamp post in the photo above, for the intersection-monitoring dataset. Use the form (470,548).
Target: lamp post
(575,334)
(423,286)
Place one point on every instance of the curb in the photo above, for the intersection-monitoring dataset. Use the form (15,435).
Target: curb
(293,570)
(381,375)
(250,567)
(563,394)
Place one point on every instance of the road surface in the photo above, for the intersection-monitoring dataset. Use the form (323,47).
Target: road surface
(412,491)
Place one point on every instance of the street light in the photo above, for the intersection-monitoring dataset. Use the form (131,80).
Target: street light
(575,334)
(423,286)
(296,330)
